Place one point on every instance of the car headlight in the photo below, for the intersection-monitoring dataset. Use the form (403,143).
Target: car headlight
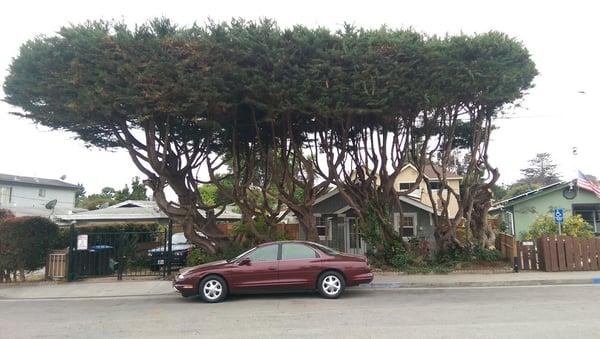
(180,277)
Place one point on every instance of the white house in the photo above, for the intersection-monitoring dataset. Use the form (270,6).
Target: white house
(29,196)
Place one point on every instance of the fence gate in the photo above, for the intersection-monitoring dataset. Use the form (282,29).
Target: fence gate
(118,254)
(524,252)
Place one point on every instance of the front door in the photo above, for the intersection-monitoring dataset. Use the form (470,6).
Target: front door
(354,242)
(260,272)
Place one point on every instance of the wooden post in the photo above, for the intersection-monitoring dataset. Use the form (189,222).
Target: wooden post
(515,254)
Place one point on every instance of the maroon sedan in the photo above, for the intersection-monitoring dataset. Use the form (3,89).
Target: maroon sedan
(276,266)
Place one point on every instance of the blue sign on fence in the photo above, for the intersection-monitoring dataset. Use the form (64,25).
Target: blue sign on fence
(559,215)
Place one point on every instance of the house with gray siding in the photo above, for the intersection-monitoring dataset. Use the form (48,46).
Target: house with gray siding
(337,222)
(29,196)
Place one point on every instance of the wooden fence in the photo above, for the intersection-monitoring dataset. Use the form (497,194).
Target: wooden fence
(506,243)
(56,265)
(552,253)
(562,253)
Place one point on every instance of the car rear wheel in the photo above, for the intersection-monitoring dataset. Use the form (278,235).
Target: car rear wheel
(213,289)
(331,284)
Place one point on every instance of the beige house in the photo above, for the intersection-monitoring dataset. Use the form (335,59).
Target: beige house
(409,175)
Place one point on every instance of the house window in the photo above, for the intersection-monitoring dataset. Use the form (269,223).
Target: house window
(5,195)
(323,229)
(42,192)
(405,186)
(407,225)
(590,213)
(435,185)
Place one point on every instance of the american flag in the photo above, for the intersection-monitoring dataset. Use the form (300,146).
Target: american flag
(586,184)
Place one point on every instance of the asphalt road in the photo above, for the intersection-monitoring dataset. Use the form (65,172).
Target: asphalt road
(507,312)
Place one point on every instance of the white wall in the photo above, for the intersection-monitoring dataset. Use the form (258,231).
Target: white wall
(28,196)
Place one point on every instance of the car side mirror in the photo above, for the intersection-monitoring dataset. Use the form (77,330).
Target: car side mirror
(245,261)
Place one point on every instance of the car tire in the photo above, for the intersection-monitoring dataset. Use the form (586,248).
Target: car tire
(212,289)
(331,284)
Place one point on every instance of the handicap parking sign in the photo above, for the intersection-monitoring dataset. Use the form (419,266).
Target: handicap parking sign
(559,215)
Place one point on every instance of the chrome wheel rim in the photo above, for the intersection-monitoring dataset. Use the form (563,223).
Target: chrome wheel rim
(212,289)
(331,285)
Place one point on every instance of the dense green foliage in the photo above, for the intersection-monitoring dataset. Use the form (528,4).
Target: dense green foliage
(199,256)
(109,196)
(541,171)
(574,226)
(63,239)
(182,99)
(25,243)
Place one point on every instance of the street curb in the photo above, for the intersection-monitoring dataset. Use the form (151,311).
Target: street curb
(480,284)
(90,297)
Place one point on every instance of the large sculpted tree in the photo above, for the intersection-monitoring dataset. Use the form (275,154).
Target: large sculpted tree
(288,112)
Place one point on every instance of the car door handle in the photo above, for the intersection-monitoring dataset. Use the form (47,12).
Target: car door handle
(272,269)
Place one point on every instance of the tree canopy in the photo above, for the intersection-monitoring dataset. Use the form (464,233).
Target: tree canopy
(289,109)
(541,171)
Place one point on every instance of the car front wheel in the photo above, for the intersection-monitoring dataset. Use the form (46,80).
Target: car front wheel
(331,284)
(212,289)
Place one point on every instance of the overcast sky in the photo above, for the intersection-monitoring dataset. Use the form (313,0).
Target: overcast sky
(558,114)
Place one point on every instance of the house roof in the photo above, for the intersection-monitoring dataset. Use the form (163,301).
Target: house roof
(34,181)
(32,211)
(431,170)
(137,210)
(402,198)
(529,195)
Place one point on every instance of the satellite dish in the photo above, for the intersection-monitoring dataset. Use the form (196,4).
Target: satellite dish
(51,204)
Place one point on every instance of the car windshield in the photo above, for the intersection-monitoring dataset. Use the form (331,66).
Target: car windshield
(178,238)
(241,255)
(325,249)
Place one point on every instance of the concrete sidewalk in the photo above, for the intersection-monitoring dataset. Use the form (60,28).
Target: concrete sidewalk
(105,288)
(527,278)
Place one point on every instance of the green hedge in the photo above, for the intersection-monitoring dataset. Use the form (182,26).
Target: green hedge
(64,233)
(25,243)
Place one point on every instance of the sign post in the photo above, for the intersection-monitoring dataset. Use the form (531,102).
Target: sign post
(82,242)
(559,217)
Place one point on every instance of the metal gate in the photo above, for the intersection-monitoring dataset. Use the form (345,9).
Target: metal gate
(119,254)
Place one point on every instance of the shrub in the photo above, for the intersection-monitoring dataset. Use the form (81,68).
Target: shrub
(5,214)
(574,226)
(242,231)
(125,227)
(25,243)
(198,257)
(484,254)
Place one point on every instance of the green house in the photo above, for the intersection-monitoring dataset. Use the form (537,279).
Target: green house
(521,211)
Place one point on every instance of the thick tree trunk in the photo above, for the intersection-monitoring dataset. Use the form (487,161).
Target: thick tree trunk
(483,234)
(311,228)
(445,236)
(307,221)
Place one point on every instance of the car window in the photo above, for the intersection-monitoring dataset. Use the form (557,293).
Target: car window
(267,253)
(327,250)
(178,238)
(297,251)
